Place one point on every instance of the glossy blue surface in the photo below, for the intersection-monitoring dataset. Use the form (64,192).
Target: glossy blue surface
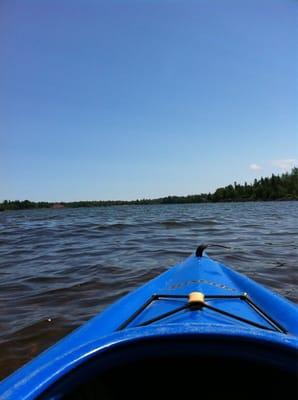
(101,334)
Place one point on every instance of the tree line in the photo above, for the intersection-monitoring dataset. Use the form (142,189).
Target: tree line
(276,187)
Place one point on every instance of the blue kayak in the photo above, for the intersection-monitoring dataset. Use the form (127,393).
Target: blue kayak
(199,329)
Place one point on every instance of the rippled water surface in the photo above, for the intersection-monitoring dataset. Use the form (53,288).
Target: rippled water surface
(60,267)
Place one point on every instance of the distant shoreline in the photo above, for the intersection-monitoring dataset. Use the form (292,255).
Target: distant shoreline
(138,203)
(276,188)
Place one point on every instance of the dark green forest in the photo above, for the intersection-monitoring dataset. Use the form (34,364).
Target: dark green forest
(277,187)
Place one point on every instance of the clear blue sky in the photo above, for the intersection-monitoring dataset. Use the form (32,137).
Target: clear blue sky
(131,99)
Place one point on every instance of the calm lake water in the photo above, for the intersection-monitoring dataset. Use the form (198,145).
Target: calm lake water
(60,267)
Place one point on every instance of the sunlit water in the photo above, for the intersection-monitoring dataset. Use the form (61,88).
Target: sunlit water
(60,267)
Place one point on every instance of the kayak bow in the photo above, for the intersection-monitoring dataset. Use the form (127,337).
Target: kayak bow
(200,326)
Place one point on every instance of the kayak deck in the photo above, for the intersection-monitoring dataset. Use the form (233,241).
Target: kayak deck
(238,326)
(149,312)
(228,299)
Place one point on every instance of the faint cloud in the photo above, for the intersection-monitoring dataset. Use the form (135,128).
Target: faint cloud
(255,167)
(284,165)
